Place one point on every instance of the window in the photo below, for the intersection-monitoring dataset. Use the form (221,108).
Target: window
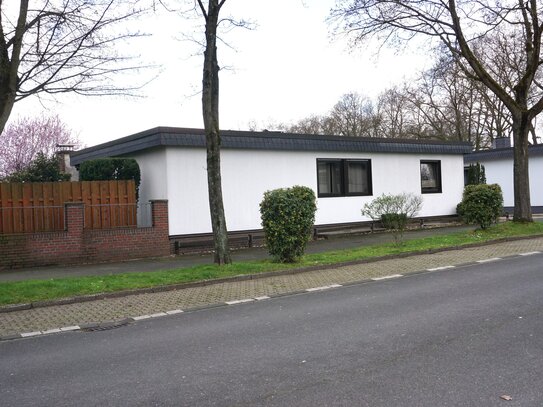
(430,177)
(343,177)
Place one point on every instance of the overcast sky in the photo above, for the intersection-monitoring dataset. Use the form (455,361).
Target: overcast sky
(286,68)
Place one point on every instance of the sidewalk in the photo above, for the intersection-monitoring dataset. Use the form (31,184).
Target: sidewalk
(101,314)
(169,263)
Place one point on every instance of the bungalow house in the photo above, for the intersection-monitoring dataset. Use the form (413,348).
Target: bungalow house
(344,172)
(498,163)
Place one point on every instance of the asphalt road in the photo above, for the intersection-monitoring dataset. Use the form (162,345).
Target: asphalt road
(460,337)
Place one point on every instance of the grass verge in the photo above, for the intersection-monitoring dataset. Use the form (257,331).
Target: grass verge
(39,290)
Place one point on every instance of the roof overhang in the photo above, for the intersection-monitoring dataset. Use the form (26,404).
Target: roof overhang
(500,154)
(265,140)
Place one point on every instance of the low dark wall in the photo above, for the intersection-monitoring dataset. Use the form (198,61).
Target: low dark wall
(79,245)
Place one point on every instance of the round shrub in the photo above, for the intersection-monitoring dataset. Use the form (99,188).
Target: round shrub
(287,217)
(481,204)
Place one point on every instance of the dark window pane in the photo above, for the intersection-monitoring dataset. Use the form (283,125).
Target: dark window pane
(336,178)
(329,177)
(325,182)
(430,176)
(357,177)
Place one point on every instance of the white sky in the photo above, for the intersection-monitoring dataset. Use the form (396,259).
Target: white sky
(285,69)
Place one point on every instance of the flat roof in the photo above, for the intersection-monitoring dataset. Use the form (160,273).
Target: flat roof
(265,140)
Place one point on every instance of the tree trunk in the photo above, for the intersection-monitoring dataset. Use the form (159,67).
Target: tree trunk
(9,67)
(210,110)
(6,106)
(521,181)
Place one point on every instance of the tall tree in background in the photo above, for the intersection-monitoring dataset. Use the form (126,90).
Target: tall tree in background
(22,140)
(59,46)
(353,116)
(210,109)
(516,24)
(393,114)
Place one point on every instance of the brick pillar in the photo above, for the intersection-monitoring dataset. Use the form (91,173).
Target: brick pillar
(75,221)
(74,218)
(159,211)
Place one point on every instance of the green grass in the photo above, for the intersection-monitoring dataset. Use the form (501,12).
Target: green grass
(37,290)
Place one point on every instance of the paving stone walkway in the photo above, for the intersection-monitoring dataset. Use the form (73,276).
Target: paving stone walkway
(156,304)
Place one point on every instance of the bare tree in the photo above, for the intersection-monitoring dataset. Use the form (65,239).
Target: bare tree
(57,46)
(392,113)
(210,109)
(24,138)
(458,25)
(353,115)
(445,104)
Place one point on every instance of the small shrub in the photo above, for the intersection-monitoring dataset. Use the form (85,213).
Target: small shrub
(394,211)
(394,220)
(287,216)
(481,204)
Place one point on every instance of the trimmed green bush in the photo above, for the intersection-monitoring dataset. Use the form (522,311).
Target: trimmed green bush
(110,169)
(288,215)
(481,204)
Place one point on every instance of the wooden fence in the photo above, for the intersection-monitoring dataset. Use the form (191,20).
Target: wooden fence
(39,206)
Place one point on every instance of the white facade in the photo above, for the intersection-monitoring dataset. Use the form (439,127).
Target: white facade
(500,171)
(178,174)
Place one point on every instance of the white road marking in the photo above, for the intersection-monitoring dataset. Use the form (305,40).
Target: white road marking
(51,331)
(28,334)
(175,311)
(440,268)
(489,260)
(325,287)
(529,253)
(140,317)
(239,301)
(70,328)
(264,297)
(387,277)
(158,314)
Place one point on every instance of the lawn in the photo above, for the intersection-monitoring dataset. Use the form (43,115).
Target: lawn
(38,290)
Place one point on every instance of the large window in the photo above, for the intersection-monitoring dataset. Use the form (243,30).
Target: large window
(430,177)
(343,177)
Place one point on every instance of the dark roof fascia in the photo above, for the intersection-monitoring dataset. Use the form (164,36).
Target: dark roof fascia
(500,154)
(170,136)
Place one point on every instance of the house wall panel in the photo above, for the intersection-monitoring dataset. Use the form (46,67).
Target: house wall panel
(247,174)
(501,172)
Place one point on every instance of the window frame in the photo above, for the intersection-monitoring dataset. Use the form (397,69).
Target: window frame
(432,190)
(331,194)
(344,174)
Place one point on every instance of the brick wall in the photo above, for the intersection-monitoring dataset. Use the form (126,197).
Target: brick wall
(79,245)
